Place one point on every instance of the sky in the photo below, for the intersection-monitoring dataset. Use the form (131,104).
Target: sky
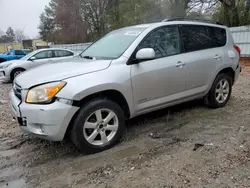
(21,14)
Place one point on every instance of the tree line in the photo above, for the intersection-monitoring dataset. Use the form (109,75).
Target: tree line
(74,21)
(10,36)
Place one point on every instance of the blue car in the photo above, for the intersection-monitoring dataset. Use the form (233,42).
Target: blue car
(13,55)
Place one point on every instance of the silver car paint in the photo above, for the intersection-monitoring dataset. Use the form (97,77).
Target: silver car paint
(26,64)
(147,86)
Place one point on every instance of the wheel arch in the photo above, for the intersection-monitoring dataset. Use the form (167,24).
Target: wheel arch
(111,94)
(229,71)
(15,69)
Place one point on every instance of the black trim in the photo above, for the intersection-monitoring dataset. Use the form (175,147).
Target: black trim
(193,20)
(76,103)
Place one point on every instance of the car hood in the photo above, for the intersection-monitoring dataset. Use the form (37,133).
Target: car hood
(2,65)
(4,56)
(59,71)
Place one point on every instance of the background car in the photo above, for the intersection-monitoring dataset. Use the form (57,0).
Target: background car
(10,69)
(13,55)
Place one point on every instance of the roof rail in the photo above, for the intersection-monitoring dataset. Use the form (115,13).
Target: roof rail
(192,19)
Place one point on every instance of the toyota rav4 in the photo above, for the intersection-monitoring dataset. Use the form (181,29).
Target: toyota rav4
(128,72)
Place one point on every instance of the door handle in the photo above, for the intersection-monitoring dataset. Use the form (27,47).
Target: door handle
(218,57)
(180,64)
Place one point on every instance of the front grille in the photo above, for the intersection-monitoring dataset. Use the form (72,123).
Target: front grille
(17,91)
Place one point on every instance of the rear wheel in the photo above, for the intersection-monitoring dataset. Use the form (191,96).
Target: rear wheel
(98,126)
(220,92)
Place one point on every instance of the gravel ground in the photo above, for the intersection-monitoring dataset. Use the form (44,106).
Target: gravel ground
(184,146)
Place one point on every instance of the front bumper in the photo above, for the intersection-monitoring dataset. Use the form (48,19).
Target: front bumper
(49,122)
(4,75)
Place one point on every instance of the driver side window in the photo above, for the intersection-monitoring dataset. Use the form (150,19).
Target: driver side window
(165,41)
(44,55)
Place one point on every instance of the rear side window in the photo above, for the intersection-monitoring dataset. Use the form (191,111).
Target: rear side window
(62,53)
(19,52)
(195,37)
(198,37)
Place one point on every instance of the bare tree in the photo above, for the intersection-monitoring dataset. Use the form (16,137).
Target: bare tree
(19,34)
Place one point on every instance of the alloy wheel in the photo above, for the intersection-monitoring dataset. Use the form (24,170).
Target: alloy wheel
(101,127)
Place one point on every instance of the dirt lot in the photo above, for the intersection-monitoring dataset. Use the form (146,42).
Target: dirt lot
(183,146)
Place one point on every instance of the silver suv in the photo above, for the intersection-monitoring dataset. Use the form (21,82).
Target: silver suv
(128,72)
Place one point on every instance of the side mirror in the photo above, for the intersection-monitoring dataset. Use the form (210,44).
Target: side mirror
(33,58)
(145,54)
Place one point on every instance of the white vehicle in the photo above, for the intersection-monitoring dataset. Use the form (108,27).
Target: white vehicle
(10,69)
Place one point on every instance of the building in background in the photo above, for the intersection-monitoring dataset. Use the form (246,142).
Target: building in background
(8,46)
(34,44)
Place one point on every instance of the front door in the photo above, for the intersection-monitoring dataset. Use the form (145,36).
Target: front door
(156,82)
(41,58)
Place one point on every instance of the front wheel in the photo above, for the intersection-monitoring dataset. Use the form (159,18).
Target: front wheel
(220,92)
(15,73)
(98,126)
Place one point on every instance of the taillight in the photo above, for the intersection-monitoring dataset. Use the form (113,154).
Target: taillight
(237,48)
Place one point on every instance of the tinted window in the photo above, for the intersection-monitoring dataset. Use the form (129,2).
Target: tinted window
(165,41)
(62,53)
(19,52)
(44,55)
(196,37)
(220,36)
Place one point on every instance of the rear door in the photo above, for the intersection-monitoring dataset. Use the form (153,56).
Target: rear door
(203,56)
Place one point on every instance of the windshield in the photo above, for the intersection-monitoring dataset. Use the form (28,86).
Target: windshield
(27,51)
(113,45)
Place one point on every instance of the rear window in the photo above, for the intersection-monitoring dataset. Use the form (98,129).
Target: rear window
(198,37)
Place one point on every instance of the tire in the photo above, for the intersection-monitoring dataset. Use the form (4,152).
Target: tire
(15,73)
(218,96)
(80,134)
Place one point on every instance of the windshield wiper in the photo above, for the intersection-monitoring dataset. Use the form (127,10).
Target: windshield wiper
(88,57)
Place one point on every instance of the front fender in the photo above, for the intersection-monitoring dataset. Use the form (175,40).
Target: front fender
(79,87)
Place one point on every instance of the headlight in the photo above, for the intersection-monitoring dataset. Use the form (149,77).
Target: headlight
(44,93)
